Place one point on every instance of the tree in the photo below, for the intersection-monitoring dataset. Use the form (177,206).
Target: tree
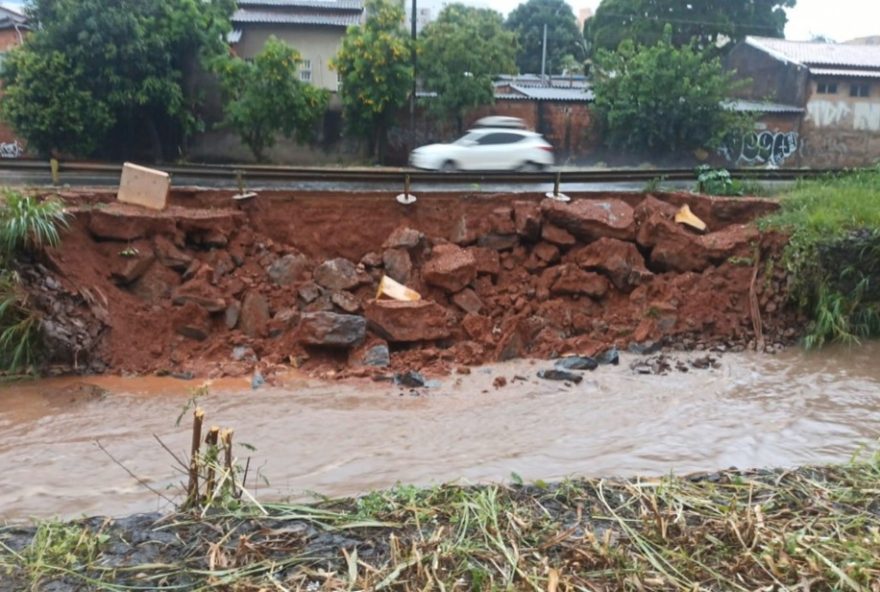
(377,75)
(563,36)
(110,72)
(266,97)
(461,53)
(708,22)
(663,99)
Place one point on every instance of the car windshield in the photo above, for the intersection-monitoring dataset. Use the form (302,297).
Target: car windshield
(467,139)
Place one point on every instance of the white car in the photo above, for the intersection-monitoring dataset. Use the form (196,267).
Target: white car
(487,149)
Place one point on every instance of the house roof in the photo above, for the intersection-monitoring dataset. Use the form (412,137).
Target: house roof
(543,93)
(811,54)
(312,17)
(12,18)
(848,73)
(746,106)
(356,5)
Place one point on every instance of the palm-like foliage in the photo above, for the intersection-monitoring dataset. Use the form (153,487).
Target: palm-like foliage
(28,224)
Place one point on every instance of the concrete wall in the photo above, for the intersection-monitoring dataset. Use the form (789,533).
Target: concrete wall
(766,78)
(316,44)
(775,142)
(840,130)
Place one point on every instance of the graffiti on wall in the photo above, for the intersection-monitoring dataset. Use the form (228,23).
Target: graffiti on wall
(866,117)
(761,147)
(828,113)
(11,150)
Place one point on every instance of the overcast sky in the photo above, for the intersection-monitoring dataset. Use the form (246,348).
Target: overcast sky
(836,19)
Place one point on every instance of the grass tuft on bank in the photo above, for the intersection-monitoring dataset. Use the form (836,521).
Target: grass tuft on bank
(833,256)
(811,528)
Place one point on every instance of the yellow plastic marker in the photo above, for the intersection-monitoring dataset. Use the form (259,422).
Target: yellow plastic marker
(396,290)
(686,216)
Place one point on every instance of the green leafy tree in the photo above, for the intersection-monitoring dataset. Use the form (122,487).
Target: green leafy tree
(708,22)
(461,54)
(563,37)
(114,70)
(663,99)
(376,71)
(266,97)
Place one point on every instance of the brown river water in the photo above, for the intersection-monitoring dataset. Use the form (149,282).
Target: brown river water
(345,438)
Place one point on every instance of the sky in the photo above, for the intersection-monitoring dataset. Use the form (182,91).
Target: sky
(839,20)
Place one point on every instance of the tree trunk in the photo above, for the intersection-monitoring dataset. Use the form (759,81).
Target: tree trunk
(155,141)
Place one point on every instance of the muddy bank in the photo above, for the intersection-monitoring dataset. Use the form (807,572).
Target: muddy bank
(348,437)
(213,287)
(757,530)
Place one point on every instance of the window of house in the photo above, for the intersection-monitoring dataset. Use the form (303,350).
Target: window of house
(860,90)
(827,88)
(305,70)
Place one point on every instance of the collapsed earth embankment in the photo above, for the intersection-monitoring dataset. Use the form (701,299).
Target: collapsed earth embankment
(212,286)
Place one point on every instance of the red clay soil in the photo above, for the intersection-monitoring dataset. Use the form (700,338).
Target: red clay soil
(215,287)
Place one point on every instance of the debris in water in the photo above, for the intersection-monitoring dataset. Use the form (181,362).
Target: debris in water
(645,348)
(576,363)
(410,379)
(561,375)
(611,356)
(257,380)
(499,382)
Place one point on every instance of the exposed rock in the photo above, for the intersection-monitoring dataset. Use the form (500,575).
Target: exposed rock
(527,219)
(576,363)
(374,353)
(403,237)
(488,260)
(674,248)
(621,261)
(346,301)
(339,274)
(401,322)
(498,242)
(254,318)
(372,259)
(590,219)
(410,379)
(288,270)
(222,264)
(171,256)
(450,267)
(309,292)
(560,375)
(233,312)
(517,335)
(573,280)
(133,268)
(477,327)
(398,264)
(501,221)
(468,301)
(735,240)
(192,321)
(651,205)
(126,223)
(156,284)
(201,293)
(468,229)
(283,320)
(557,236)
(609,356)
(321,304)
(546,252)
(330,329)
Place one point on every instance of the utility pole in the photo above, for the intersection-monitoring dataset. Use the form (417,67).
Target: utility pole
(412,98)
(543,53)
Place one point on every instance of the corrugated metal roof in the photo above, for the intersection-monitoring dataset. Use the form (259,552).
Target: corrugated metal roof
(746,106)
(233,36)
(329,4)
(848,73)
(555,94)
(244,16)
(808,53)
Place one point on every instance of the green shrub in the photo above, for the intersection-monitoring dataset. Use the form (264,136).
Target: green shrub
(27,224)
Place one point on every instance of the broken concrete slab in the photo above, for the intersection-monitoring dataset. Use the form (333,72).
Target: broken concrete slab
(145,187)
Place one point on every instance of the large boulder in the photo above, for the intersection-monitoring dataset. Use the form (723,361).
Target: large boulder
(619,260)
(132,268)
(572,280)
(330,329)
(192,321)
(200,292)
(488,260)
(402,322)
(288,270)
(123,222)
(171,256)
(591,219)
(253,320)
(527,219)
(398,264)
(404,237)
(450,267)
(339,274)
(735,240)
(673,248)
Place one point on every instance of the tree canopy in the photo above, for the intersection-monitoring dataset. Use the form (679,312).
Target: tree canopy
(563,37)
(376,70)
(662,99)
(707,21)
(97,75)
(266,97)
(461,53)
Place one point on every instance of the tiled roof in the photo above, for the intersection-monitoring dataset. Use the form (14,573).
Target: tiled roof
(318,4)
(746,106)
(543,93)
(807,53)
(244,16)
(850,73)
(233,36)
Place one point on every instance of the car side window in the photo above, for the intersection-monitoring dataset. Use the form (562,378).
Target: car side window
(499,138)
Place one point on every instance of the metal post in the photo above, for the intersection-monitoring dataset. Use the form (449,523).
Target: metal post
(543,53)
(412,98)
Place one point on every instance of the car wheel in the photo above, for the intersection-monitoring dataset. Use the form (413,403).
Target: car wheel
(531,167)
(449,166)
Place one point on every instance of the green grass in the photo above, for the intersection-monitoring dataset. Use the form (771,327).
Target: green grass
(29,224)
(833,255)
(758,530)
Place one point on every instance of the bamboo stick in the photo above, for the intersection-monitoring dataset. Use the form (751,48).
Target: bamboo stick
(211,441)
(192,489)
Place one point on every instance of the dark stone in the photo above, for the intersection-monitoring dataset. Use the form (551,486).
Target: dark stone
(576,363)
(403,238)
(339,274)
(346,301)
(498,242)
(133,268)
(288,270)
(169,255)
(378,356)
(398,265)
(254,319)
(610,356)
(410,379)
(233,311)
(331,329)
(644,348)
(561,375)
(309,292)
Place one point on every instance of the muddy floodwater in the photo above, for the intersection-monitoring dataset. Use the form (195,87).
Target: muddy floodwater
(343,438)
